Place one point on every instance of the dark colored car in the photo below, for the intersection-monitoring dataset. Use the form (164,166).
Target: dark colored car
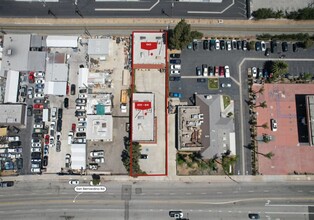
(195,45)
(73,89)
(59,125)
(58,146)
(211,71)
(258,46)
(244,45)
(205,44)
(14,143)
(80,113)
(36,155)
(38,101)
(239,45)
(6,183)
(254,216)
(66,103)
(81,134)
(177,61)
(201,80)
(19,163)
(267,52)
(30,111)
(36,135)
(174,78)
(284,46)
(173,55)
(273,46)
(222,45)
(60,113)
(38,120)
(45,161)
(212,44)
(144,156)
(83,90)
(295,47)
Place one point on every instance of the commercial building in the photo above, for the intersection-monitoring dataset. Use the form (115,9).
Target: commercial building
(99,127)
(98,47)
(143,113)
(61,41)
(12,114)
(12,87)
(78,156)
(310,117)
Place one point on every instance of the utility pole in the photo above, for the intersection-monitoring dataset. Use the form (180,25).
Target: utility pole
(51,13)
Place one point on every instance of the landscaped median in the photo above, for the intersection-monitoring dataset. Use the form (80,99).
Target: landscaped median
(213,83)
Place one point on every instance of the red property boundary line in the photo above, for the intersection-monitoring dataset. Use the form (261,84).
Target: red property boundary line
(166,106)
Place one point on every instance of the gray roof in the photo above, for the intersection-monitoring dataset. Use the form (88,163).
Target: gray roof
(98,46)
(215,129)
(37,61)
(36,41)
(15,52)
(12,114)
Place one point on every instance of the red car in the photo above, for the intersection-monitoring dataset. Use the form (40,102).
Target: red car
(47,139)
(221,71)
(73,127)
(31,77)
(68,89)
(38,106)
(216,71)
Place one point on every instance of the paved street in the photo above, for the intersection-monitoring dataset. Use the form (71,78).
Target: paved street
(232,9)
(52,200)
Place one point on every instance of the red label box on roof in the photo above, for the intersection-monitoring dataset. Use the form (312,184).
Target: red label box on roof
(149,45)
(143,105)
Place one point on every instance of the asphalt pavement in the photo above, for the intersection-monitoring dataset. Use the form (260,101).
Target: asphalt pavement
(134,200)
(232,9)
(188,84)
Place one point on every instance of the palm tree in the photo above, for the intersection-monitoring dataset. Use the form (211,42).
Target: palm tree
(262,105)
(265,125)
(279,68)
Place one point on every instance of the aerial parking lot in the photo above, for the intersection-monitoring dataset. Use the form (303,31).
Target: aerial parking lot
(189,78)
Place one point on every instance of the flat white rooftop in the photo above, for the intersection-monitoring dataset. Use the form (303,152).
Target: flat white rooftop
(143,116)
(149,49)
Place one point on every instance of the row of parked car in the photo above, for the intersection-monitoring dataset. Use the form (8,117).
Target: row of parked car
(39,153)
(215,44)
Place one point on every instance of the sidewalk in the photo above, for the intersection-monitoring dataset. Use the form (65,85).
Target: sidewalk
(184,179)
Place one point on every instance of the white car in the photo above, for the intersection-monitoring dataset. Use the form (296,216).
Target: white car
(70,136)
(82,96)
(38,125)
(217,43)
(36,144)
(37,95)
(228,45)
(40,81)
(52,125)
(35,170)
(226,85)
(263,45)
(175,67)
(99,160)
(82,124)
(13,138)
(80,107)
(227,71)
(74,182)
(80,129)
(254,72)
(39,74)
(82,119)
(174,72)
(99,153)
(273,124)
(35,149)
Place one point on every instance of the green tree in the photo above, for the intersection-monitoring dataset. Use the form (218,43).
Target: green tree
(264,13)
(307,43)
(279,68)
(182,35)
(307,76)
(136,153)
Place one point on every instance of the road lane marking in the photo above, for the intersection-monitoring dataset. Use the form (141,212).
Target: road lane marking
(266,191)
(250,191)
(212,12)
(128,9)
(204,193)
(289,205)
(219,192)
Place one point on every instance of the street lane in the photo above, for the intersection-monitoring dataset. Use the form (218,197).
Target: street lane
(154,200)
